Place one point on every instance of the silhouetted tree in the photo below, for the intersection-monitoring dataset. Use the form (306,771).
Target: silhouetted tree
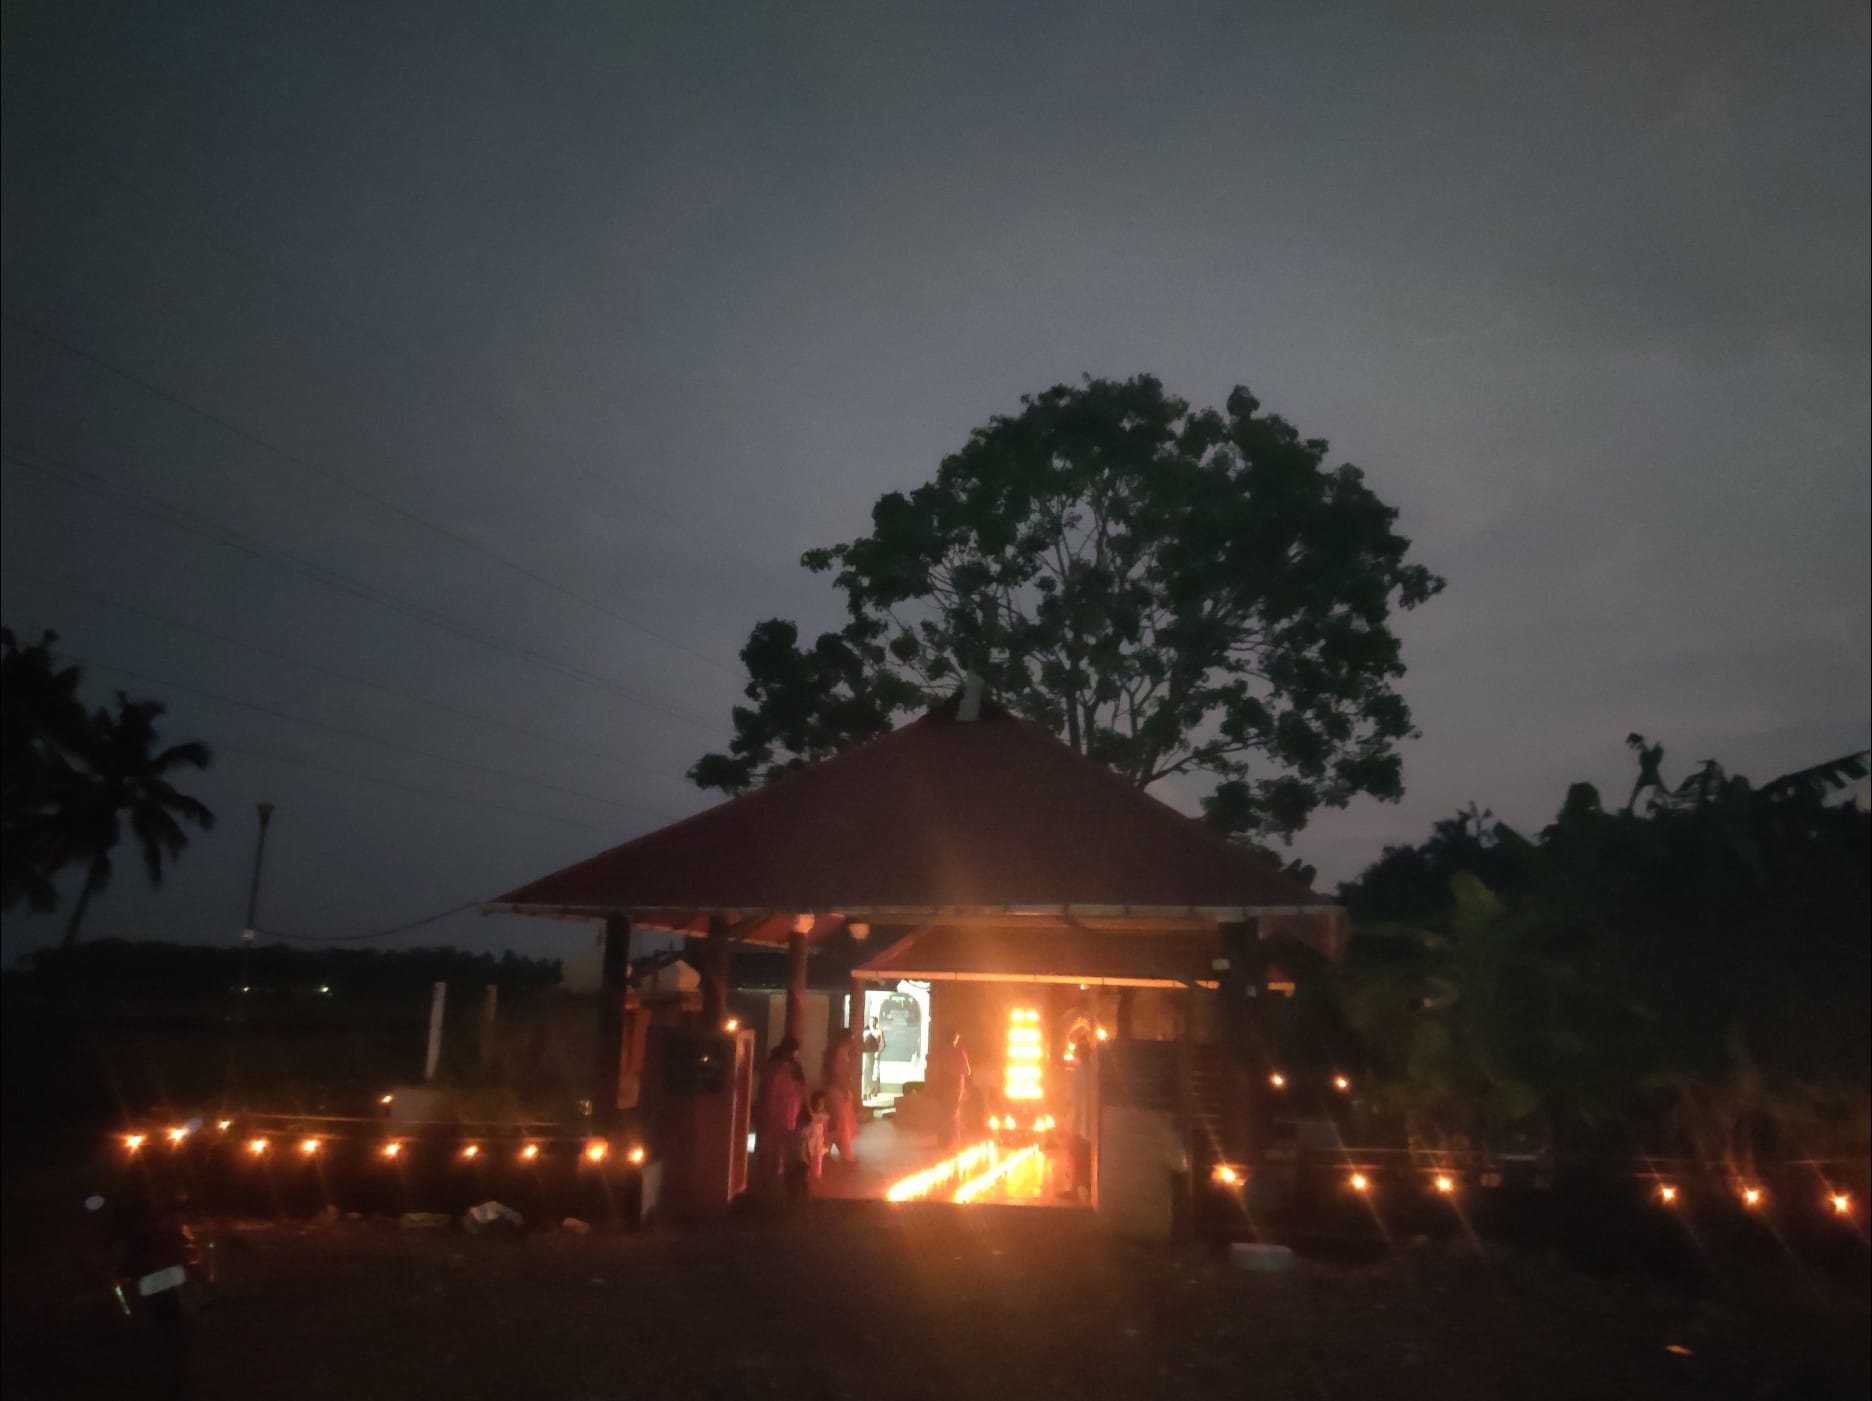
(42,725)
(1172,591)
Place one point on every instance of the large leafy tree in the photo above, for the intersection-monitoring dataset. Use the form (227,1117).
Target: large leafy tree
(81,777)
(1173,591)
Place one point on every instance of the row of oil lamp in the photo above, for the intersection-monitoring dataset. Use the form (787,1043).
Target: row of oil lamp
(592,1150)
(1666,1194)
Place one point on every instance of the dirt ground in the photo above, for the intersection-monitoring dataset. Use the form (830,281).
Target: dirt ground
(868,1301)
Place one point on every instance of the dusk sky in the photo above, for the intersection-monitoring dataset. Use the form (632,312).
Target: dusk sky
(363,358)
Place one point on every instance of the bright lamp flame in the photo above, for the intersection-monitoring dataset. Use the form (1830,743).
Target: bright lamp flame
(636,1156)
(1445,1183)
(257,1146)
(597,1150)
(1667,1194)
(392,1149)
(178,1133)
(309,1146)
(1841,1204)
(133,1141)
(1360,1183)
(1340,1083)
(1751,1196)
(471,1150)
(529,1153)
(1225,1175)
(1278,1080)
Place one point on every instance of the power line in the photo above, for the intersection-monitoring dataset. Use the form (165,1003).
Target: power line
(374,933)
(326,474)
(337,675)
(408,787)
(73,475)
(367,738)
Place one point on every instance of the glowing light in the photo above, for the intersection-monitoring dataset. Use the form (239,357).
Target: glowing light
(529,1153)
(1445,1183)
(636,1156)
(257,1146)
(1360,1183)
(224,1124)
(1278,1080)
(921,1184)
(994,1124)
(1841,1204)
(133,1141)
(1340,1083)
(975,1186)
(1025,1052)
(392,1149)
(1225,1175)
(471,1150)
(732,1024)
(1103,1034)
(1667,1194)
(597,1150)
(387,1099)
(1751,1196)
(309,1146)
(178,1133)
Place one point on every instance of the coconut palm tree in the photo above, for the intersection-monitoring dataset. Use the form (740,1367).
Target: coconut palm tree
(121,775)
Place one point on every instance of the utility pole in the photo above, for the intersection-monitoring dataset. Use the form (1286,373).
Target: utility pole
(247,941)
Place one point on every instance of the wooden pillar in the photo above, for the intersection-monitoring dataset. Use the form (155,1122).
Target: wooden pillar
(795,986)
(613,982)
(715,972)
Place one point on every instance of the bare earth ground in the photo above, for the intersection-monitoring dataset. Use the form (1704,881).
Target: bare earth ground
(867,1301)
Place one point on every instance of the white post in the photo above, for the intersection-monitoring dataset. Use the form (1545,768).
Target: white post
(435,1031)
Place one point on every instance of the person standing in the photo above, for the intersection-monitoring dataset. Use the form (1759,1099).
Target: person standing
(777,1112)
(946,1081)
(873,1052)
(836,1075)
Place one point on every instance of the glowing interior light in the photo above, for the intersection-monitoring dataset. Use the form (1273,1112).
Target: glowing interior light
(178,1133)
(529,1153)
(387,1099)
(1666,1194)
(596,1150)
(1751,1196)
(1340,1083)
(1445,1183)
(1103,1034)
(133,1141)
(1225,1175)
(732,1024)
(309,1146)
(636,1156)
(980,1183)
(392,1149)
(224,1124)
(1360,1183)
(1278,1080)
(471,1150)
(257,1146)
(1841,1204)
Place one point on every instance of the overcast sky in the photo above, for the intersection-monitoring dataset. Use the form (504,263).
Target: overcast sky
(362,357)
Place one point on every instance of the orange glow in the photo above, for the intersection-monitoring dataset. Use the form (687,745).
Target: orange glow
(1667,1194)
(178,1133)
(636,1156)
(1025,1051)
(1103,1034)
(471,1150)
(921,1184)
(1278,1080)
(257,1146)
(1225,1175)
(1841,1204)
(309,1146)
(391,1149)
(224,1125)
(1445,1183)
(597,1150)
(1360,1183)
(133,1141)
(975,1186)
(732,1024)
(1751,1196)
(387,1099)
(1340,1083)
(529,1153)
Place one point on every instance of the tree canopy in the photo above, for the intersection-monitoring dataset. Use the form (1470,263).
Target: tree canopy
(75,776)
(1173,591)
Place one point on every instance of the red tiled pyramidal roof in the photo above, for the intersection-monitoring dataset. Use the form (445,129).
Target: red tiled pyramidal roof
(941,814)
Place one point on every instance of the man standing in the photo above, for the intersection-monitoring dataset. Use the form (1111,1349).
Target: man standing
(946,1081)
(873,1048)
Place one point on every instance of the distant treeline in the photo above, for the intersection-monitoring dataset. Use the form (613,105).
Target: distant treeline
(125,969)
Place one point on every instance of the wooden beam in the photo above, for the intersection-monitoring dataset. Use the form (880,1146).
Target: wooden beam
(715,971)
